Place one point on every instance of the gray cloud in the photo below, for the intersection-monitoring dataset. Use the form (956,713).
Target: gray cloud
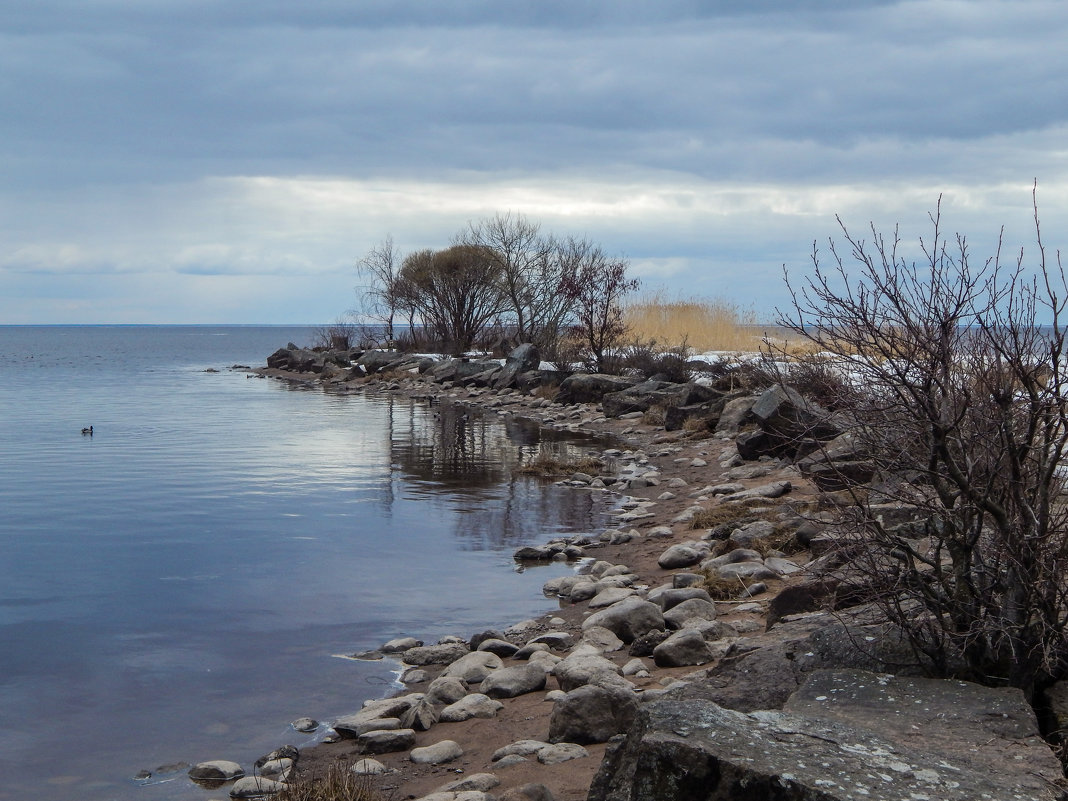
(122,118)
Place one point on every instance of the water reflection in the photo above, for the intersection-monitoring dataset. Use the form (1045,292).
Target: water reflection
(475,456)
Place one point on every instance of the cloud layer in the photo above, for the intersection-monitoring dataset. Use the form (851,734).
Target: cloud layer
(208,161)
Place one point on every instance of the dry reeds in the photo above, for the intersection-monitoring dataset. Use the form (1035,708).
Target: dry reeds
(701,323)
(339,784)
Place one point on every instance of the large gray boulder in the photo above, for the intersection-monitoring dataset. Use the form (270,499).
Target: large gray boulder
(522,359)
(844,736)
(628,619)
(512,681)
(683,648)
(592,714)
(577,670)
(474,666)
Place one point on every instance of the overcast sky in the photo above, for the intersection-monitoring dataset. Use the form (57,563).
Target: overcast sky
(228,161)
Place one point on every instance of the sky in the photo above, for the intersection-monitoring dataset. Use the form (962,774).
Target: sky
(230,161)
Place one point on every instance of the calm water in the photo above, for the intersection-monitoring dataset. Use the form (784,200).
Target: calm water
(178,586)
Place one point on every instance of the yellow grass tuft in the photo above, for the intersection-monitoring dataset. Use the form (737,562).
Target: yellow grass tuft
(702,324)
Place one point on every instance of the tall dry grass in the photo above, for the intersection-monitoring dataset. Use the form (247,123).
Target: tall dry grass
(702,324)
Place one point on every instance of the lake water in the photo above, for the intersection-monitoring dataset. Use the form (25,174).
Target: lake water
(179,586)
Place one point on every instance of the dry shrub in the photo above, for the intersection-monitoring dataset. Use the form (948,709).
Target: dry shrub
(339,784)
(722,589)
(738,513)
(549,391)
(547,465)
(705,324)
(654,416)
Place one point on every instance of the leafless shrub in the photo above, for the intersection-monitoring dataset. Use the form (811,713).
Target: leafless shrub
(956,379)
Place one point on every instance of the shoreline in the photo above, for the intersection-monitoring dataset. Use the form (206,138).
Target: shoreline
(675,457)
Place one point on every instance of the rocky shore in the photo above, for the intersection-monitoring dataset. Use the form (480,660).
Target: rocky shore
(704,648)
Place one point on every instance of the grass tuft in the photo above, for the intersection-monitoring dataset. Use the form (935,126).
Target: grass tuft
(548,466)
(339,784)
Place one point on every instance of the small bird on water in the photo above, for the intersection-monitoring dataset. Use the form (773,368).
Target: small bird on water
(88,431)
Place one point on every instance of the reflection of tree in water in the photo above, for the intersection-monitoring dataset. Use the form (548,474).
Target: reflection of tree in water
(530,509)
(457,450)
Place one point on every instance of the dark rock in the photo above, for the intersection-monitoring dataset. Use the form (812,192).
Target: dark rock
(592,714)
(591,387)
(644,645)
(481,637)
(375,361)
(673,597)
(386,741)
(846,735)
(523,359)
(628,619)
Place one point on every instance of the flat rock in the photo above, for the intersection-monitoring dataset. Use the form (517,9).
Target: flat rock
(561,752)
(443,654)
(483,782)
(437,754)
(844,736)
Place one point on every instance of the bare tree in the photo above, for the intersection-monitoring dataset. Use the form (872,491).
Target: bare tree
(597,284)
(381,267)
(456,292)
(959,394)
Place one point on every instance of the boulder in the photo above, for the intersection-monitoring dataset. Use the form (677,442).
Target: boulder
(437,754)
(512,681)
(446,690)
(501,648)
(475,705)
(400,645)
(527,792)
(845,735)
(420,716)
(591,387)
(684,554)
(610,595)
(673,596)
(474,667)
(368,767)
(689,610)
(682,649)
(215,772)
(561,752)
(592,714)
(523,359)
(352,726)
(375,361)
(577,670)
(385,741)
(630,618)
(434,654)
(481,782)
